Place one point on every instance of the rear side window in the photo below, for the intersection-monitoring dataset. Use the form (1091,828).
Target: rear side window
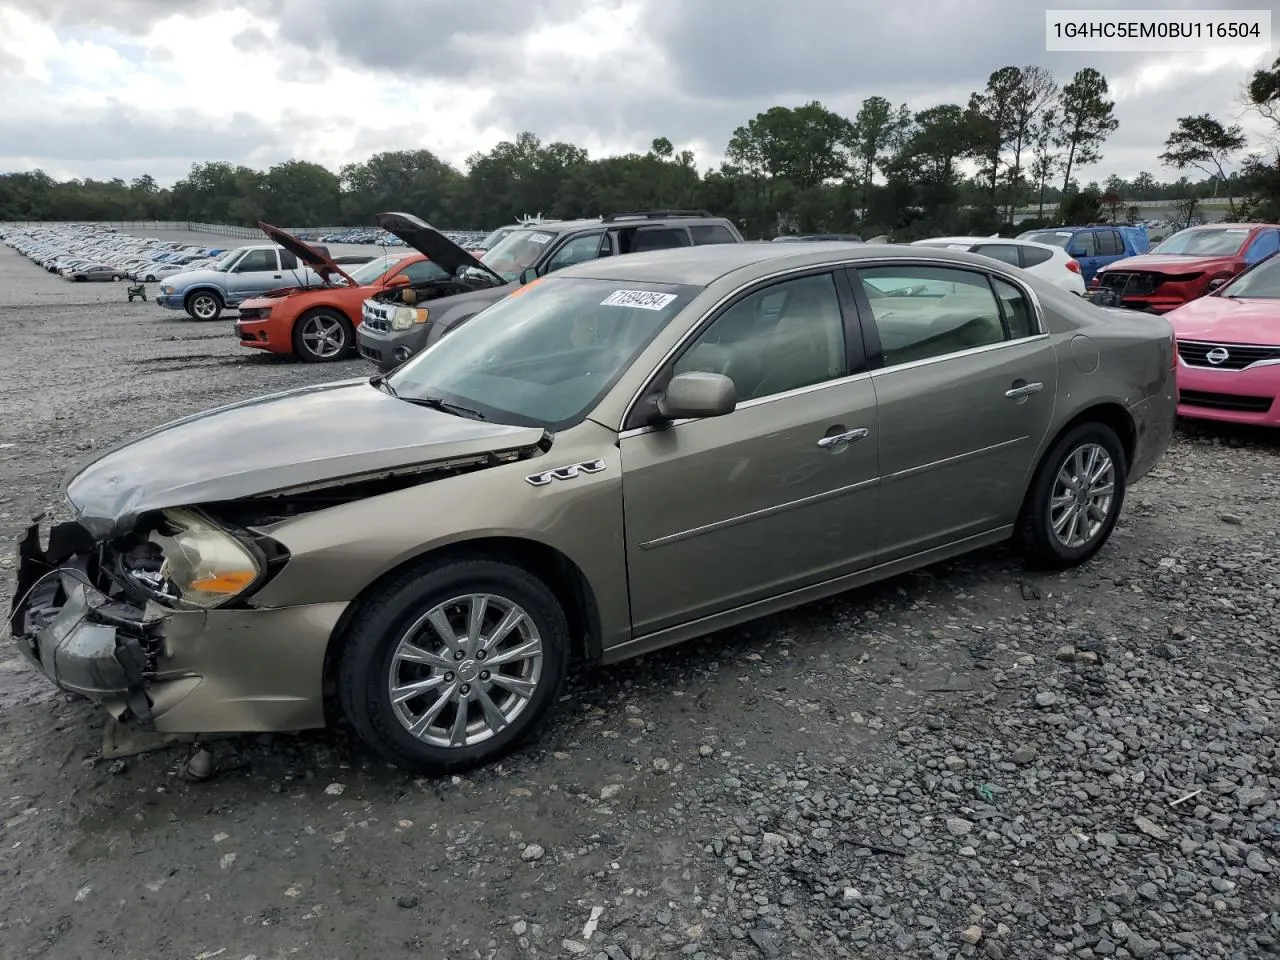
(658,238)
(711,233)
(1086,241)
(288,261)
(1109,243)
(999,251)
(1033,255)
(1018,317)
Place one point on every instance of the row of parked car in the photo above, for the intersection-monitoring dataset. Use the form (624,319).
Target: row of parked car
(96,253)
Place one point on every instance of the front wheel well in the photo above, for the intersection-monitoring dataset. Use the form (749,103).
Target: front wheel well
(561,575)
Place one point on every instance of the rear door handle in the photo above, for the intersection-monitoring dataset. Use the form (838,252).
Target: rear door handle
(847,437)
(1023,390)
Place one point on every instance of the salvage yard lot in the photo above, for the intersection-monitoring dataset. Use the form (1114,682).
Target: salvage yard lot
(967,752)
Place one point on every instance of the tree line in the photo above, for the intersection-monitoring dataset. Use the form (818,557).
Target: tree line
(888,169)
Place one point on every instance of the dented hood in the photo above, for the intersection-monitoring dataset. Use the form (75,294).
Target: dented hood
(1171,264)
(433,244)
(306,436)
(317,260)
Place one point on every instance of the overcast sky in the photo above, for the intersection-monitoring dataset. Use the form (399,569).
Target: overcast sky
(107,88)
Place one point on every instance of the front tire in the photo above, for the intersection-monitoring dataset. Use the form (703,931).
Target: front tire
(203,305)
(323,336)
(452,666)
(1075,498)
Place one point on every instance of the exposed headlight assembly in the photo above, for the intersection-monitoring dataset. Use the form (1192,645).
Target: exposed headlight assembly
(166,288)
(406,318)
(204,566)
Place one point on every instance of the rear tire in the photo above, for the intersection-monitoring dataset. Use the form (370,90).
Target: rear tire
(323,336)
(1075,498)
(203,305)
(397,640)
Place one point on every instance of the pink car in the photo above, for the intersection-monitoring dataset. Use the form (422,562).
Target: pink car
(1229,349)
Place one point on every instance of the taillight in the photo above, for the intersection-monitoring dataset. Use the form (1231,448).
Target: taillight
(1073,266)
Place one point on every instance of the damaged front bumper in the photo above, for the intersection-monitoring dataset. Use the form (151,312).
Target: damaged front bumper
(234,670)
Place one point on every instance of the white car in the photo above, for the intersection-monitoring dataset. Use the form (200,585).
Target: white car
(1040,259)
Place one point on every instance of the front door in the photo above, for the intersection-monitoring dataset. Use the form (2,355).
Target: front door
(776,495)
(1084,248)
(257,272)
(965,382)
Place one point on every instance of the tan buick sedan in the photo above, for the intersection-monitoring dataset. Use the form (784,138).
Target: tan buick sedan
(632,452)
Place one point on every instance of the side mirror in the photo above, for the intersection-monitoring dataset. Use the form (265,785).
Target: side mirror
(1217,282)
(698,395)
(399,280)
(528,275)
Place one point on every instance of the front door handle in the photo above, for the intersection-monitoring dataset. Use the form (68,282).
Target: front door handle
(1019,390)
(847,437)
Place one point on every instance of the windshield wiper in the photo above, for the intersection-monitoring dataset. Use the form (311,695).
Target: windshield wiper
(439,403)
(379,380)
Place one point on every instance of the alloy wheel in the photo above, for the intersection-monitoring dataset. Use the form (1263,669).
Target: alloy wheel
(465,670)
(324,336)
(1083,495)
(204,307)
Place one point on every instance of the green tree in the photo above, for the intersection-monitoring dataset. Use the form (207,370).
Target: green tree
(298,193)
(1045,160)
(1034,93)
(1207,145)
(1086,120)
(870,135)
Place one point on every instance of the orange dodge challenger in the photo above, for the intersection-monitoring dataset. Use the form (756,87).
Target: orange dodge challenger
(318,323)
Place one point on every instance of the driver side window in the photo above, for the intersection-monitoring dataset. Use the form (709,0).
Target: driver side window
(257,260)
(782,337)
(577,250)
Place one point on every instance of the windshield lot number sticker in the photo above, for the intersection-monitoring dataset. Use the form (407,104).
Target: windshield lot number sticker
(641,299)
(539,238)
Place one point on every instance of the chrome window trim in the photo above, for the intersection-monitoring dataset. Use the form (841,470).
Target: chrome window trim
(844,263)
(972,351)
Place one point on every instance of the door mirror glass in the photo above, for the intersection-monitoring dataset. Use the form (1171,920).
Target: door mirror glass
(399,280)
(698,394)
(528,275)
(1216,283)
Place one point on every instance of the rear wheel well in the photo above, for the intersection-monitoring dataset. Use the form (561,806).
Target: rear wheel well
(1112,415)
(561,575)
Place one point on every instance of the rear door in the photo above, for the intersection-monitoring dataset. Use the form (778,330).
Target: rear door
(1084,248)
(965,382)
(1110,247)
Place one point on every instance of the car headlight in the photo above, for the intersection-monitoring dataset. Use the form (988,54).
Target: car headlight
(166,288)
(406,317)
(203,565)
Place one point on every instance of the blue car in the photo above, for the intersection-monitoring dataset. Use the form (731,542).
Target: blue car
(239,275)
(1094,247)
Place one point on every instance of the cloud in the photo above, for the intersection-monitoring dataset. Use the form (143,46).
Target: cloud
(95,84)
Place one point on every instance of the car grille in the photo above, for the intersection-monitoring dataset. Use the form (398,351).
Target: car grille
(1224,401)
(1196,353)
(376,317)
(1131,283)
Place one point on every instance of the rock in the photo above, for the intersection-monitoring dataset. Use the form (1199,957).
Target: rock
(706,750)
(574,948)
(1065,653)
(1025,754)
(407,903)
(533,852)
(1256,862)
(971,934)
(1151,828)
(958,826)
(766,942)
(1046,698)
(334,789)
(1141,947)
(661,766)
(200,766)
(1231,519)
(1249,797)
(520,928)
(955,764)
(610,790)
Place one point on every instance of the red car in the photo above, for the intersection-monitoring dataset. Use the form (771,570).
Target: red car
(1229,350)
(1186,265)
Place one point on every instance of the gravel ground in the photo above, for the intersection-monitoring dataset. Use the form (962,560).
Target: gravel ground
(964,762)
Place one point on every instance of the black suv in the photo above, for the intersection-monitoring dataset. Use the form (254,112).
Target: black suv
(401,321)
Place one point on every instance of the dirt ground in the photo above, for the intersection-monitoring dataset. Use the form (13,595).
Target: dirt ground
(966,761)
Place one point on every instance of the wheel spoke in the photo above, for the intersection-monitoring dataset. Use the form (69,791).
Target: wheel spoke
(510,620)
(492,715)
(414,654)
(1062,524)
(1103,491)
(521,688)
(440,623)
(524,651)
(419,726)
(1063,500)
(475,620)
(458,732)
(415,689)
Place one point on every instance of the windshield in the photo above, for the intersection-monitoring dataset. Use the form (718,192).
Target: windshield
(227,259)
(516,251)
(488,242)
(547,353)
(1055,238)
(366,273)
(1204,241)
(1260,283)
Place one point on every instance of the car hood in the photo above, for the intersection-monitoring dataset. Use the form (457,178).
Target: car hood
(317,260)
(313,435)
(1228,321)
(433,244)
(187,277)
(1167,264)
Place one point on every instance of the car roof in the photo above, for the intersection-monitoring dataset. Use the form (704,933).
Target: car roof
(973,241)
(623,220)
(701,266)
